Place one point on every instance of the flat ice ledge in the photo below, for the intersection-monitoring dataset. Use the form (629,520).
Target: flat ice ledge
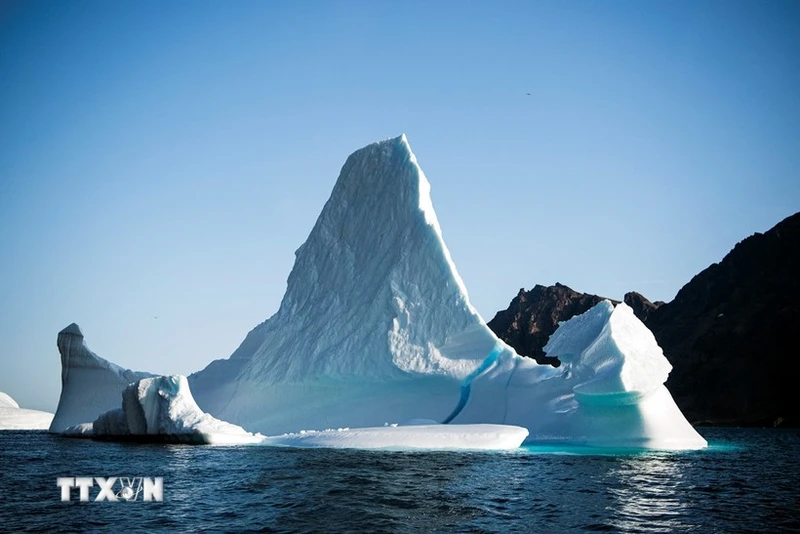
(429,437)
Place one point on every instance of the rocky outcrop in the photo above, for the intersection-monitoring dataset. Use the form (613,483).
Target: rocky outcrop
(642,307)
(533,316)
(731,333)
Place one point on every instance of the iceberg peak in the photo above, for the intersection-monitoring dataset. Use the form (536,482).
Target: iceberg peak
(90,384)
(72,330)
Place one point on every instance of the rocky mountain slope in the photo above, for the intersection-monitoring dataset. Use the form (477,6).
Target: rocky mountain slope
(731,333)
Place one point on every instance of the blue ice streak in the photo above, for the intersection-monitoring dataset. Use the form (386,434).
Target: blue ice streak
(466,386)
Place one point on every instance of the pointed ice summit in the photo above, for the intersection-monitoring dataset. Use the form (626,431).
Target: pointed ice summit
(373,292)
(90,385)
(376,326)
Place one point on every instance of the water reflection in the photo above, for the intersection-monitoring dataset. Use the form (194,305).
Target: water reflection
(649,495)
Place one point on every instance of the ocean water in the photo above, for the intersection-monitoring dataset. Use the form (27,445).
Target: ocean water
(748,480)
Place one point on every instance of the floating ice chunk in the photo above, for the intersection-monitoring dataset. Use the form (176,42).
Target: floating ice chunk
(12,417)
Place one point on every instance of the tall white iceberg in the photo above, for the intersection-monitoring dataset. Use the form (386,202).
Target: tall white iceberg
(376,326)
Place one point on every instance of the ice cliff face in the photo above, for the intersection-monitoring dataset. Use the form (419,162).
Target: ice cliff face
(90,385)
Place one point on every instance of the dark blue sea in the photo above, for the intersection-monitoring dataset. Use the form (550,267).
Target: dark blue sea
(748,480)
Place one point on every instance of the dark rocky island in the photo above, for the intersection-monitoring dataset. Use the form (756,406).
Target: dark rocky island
(731,333)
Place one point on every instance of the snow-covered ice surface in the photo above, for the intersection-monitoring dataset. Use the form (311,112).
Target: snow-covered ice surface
(12,417)
(90,385)
(449,437)
(376,326)
(162,409)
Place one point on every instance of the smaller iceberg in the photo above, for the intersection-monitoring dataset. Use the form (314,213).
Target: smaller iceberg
(608,392)
(12,417)
(161,409)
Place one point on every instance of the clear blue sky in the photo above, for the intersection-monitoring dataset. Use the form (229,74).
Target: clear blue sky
(166,159)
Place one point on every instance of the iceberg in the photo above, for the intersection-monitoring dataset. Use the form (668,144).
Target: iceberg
(12,417)
(376,325)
